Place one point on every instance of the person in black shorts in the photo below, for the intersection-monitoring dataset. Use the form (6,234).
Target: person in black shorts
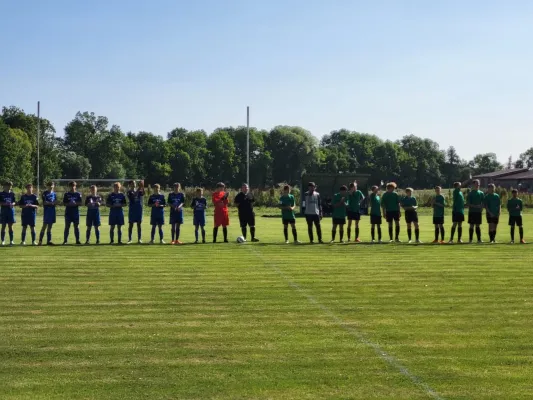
(475,202)
(515,207)
(245,204)
(390,203)
(458,213)
(410,206)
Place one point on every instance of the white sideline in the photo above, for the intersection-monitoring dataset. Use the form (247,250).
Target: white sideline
(389,359)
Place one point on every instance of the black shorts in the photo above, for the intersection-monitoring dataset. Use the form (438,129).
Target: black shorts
(475,218)
(392,216)
(339,221)
(411,216)
(353,216)
(375,219)
(458,217)
(515,220)
(312,218)
(247,219)
(438,220)
(493,220)
(289,221)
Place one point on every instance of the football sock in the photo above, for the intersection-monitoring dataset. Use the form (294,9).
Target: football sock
(310,230)
(409,233)
(196,232)
(397,232)
(77,232)
(349,232)
(3,234)
(390,231)
(341,233)
(88,234)
(32,234)
(161,234)
(203,234)
(442,233)
(172,231)
(286,232)
(471,234)
(318,230)
(512,233)
(417,234)
(11,234)
(459,232)
(41,234)
(243,230)
(521,231)
(24,233)
(379,232)
(294,234)
(373,232)
(215,233)
(225,233)
(97,233)
(49,235)
(152,234)
(478,233)
(357,232)
(178,231)
(453,232)
(112,233)
(333,233)
(436,233)
(139,231)
(119,233)
(252,232)
(130,232)
(66,232)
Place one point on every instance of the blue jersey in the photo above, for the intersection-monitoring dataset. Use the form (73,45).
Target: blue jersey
(9,198)
(116,199)
(135,198)
(49,197)
(158,213)
(199,205)
(175,200)
(72,198)
(93,203)
(29,199)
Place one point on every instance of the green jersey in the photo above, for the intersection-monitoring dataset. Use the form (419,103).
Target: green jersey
(476,198)
(284,201)
(409,202)
(515,207)
(492,202)
(339,212)
(391,201)
(458,201)
(438,206)
(354,201)
(375,205)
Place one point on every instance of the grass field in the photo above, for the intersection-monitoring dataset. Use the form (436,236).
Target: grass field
(268,320)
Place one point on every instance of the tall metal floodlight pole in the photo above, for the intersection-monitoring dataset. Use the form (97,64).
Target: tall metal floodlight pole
(248,145)
(38,145)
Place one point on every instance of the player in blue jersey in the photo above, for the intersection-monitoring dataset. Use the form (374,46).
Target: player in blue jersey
(72,202)
(157,216)
(175,201)
(49,198)
(116,201)
(93,203)
(7,211)
(135,212)
(29,204)
(199,205)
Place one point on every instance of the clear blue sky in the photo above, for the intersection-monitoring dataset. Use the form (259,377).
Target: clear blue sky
(456,71)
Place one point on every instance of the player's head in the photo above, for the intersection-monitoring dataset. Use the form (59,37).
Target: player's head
(475,184)
(514,193)
(51,185)
(157,188)
(7,185)
(457,185)
(220,186)
(72,185)
(409,192)
(29,188)
(245,188)
(491,187)
(94,189)
(352,186)
(177,187)
(391,186)
(116,187)
(132,184)
(438,189)
(343,189)
(199,192)
(286,189)
(375,189)
(311,186)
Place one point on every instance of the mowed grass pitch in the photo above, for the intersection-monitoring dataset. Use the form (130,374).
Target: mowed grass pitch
(267,320)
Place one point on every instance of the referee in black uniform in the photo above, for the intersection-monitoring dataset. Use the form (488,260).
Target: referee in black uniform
(245,203)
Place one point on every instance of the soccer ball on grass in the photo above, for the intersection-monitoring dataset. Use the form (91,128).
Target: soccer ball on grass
(241,239)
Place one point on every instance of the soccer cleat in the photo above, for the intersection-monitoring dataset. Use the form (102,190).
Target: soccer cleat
(78,242)
(372,241)
(418,242)
(297,242)
(173,242)
(380,241)
(287,242)
(435,242)
(3,243)
(311,242)
(442,242)
(511,242)
(451,241)
(23,243)
(12,243)
(97,242)
(34,243)
(112,242)
(162,242)
(357,240)
(203,241)
(140,241)
(470,241)
(40,243)
(391,241)
(128,242)
(120,243)
(227,241)
(151,242)
(398,241)
(522,241)
(342,241)
(50,244)
(178,242)
(460,241)
(332,241)
(479,241)
(255,240)
(87,242)
(410,241)
(196,242)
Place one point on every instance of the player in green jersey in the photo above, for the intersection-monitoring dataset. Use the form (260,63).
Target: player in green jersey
(355,198)
(439,202)
(410,206)
(458,212)
(493,206)
(390,203)
(475,204)
(515,207)
(287,204)
(375,213)
(339,213)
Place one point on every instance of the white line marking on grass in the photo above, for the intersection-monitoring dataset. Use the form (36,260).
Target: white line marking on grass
(389,359)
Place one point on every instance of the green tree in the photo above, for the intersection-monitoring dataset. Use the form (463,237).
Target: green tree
(74,166)
(221,164)
(15,151)
(485,163)
(526,159)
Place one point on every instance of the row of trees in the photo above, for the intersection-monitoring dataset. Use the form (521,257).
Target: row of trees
(91,148)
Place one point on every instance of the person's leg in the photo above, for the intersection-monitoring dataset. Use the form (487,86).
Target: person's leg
(341,232)
(33,234)
(294,232)
(512,224)
(111,234)
(49,233)
(442,232)
(318,228)
(225,233)
(521,231)
(478,232)
(471,232)
(379,231)
(3,234)
(152,234)
(452,234)
(243,230)
(333,231)
(88,234)
(77,232)
(252,230)
(178,231)
(196,227)
(417,231)
(41,233)
(215,233)
(66,232)
(459,231)
(373,231)
(203,233)
(172,231)
(130,231)
(356,229)
(310,228)
(390,229)
(286,231)
(409,231)
(349,230)
(436,232)
(119,233)
(397,222)
(23,234)
(139,231)
(161,234)
(11,233)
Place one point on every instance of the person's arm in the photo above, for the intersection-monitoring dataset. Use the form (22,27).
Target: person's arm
(36,204)
(319,202)
(521,205)
(79,201)
(415,206)
(21,203)
(362,198)
(65,200)
(509,205)
(193,204)
(237,200)
(182,202)
(163,202)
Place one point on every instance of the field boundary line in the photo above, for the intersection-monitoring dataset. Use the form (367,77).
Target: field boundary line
(388,358)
